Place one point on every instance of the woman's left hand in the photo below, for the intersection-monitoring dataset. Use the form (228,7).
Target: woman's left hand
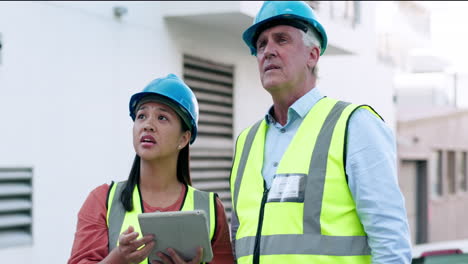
(174,258)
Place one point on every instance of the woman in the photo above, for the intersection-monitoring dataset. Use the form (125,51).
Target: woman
(165,116)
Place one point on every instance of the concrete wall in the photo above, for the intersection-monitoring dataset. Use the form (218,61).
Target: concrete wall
(408,188)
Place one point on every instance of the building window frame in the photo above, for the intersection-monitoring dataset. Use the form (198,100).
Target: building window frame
(463,171)
(451,171)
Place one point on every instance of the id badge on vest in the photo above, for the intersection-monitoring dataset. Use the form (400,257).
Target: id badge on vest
(287,188)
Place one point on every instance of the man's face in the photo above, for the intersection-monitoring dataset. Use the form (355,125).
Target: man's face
(283,60)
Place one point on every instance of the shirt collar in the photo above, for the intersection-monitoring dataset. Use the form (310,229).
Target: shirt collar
(301,107)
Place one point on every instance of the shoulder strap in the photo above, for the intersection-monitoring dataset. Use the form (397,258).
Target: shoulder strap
(115,214)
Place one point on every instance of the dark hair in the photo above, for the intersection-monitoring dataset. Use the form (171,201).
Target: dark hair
(183,174)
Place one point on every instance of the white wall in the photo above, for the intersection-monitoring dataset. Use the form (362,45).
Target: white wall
(359,78)
(65,79)
(402,27)
(353,79)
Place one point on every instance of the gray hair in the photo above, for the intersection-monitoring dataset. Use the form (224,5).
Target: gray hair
(311,39)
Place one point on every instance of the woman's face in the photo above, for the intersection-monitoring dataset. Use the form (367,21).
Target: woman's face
(157,132)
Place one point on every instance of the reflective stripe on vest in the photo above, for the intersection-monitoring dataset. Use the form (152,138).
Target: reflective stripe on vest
(310,241)
(118,219)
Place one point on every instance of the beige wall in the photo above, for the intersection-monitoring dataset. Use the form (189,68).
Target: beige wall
(408,187)
(419,140)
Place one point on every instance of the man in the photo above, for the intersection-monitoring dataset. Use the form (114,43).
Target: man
(315,180)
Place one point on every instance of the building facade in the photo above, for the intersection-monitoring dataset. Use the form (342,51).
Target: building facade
(433,174)
(430,122)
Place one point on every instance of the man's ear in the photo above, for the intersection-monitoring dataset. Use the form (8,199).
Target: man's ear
(314,55)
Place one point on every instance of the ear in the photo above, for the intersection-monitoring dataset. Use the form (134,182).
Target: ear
(184,139)
(314,55)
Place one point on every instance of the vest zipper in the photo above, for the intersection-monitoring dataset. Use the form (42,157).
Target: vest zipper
(256,254)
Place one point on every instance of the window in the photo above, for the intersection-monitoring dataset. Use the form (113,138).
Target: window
(211,153)
(439,174)
(464,171)
(452,183)
(15,206)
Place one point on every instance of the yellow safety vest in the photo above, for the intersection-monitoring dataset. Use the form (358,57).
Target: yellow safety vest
(118,219)
(319,224)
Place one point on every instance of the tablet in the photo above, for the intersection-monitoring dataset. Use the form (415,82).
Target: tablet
(184,231)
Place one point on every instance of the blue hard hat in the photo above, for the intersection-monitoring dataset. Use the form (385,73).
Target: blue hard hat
(173,92)
(283,10)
